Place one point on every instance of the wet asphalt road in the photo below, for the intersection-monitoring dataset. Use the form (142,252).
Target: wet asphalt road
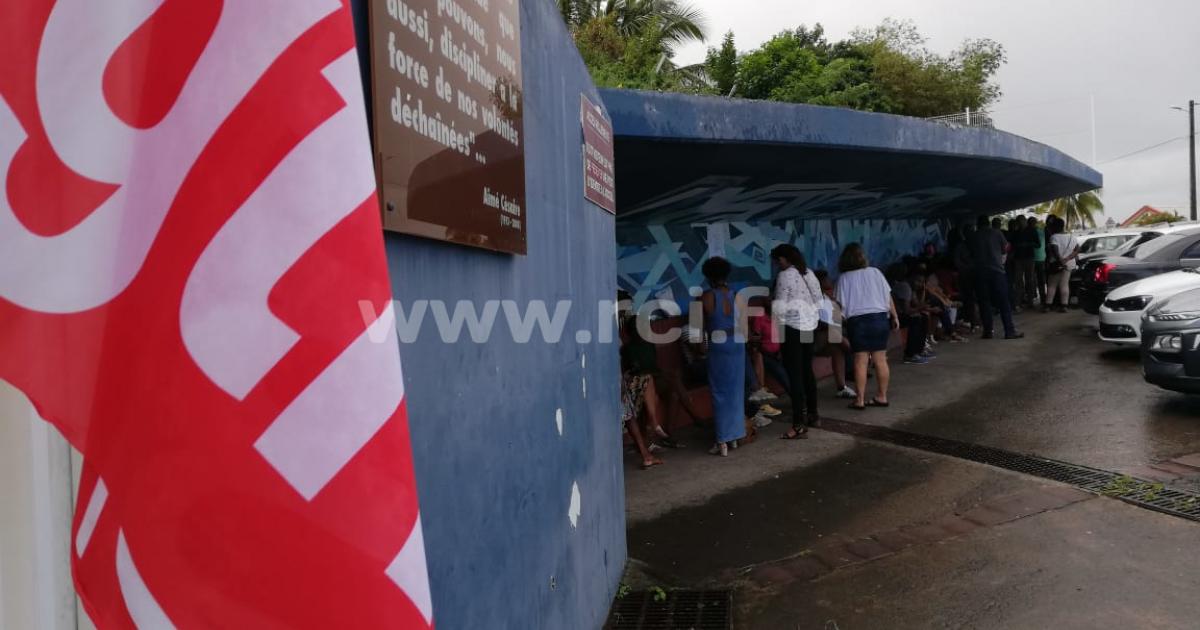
(1060,393)
(1072,398)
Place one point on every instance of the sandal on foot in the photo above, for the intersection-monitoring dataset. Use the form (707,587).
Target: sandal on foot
(876,403)
(793,434)
(856,406)
(651,464)
(662,438)
(719,449)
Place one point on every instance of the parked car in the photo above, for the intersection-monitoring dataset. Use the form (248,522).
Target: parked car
(1171,343)
(1124,249)
(1121,312)
(1165,253)
(1099,242)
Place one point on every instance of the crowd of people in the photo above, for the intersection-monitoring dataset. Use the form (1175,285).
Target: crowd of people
(935,296)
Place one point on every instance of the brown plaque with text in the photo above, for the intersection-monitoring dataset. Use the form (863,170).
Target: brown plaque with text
(599,172)
(449,139)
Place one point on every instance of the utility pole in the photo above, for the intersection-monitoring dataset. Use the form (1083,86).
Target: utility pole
(1093,99)
(1192,152)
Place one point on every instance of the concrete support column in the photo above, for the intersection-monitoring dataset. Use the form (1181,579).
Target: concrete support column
(36,502)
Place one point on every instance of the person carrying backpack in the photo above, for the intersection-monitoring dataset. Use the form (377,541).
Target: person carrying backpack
(1061,251)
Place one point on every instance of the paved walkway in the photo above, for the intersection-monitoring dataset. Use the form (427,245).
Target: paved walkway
(861,534)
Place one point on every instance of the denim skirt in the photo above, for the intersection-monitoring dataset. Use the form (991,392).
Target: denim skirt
(869,333)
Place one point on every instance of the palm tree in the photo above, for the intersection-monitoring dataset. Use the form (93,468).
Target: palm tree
(576,13)
(1078,211)
(653,28)
(675,23)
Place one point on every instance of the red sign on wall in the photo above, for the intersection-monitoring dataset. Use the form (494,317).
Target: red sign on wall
(599,172)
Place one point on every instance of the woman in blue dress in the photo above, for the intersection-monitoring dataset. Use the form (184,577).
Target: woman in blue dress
(726,357)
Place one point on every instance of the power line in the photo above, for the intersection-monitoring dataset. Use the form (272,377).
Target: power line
(1059,134)
(1143,150)
(1009,108)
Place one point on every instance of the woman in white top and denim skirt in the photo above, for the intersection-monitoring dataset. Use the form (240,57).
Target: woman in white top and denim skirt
(866,299)
(797,296)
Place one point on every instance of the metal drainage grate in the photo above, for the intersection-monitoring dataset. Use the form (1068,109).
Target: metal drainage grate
(678,610)
(1133,490)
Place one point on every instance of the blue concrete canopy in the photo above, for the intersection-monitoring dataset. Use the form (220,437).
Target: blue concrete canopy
(696,159)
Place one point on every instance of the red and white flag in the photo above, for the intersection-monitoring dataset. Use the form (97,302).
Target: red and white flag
(189,235)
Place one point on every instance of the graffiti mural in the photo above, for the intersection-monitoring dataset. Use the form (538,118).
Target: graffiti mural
(738,198)
(663,241)
(664,260)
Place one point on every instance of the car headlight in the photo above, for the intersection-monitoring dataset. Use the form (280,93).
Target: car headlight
(1135,303)
(1176,317)
(1167,343)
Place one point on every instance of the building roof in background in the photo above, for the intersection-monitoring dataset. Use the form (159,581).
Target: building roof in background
(1143,211)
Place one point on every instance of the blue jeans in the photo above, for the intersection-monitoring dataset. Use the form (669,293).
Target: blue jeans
(947,323)
(992,289)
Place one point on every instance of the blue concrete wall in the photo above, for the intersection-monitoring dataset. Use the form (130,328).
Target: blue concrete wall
(665,116)
(655,258)
(494,475)
(694,159)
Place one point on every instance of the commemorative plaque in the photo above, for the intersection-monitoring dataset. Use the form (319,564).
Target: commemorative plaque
(449,138)
(599,172)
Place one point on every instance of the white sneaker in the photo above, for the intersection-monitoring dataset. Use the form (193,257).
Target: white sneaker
(847,392)
(761,421)
(761,395)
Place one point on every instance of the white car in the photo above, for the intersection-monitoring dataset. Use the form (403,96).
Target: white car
(1121,312)
(1097,242)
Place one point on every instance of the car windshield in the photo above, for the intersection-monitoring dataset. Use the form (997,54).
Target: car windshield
(1150,248)
(1105,243)
(1131,246)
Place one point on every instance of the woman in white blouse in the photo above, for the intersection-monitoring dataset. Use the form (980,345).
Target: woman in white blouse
(866,299)
(797,295)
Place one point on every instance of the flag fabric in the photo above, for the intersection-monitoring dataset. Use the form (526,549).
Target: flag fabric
(193,290)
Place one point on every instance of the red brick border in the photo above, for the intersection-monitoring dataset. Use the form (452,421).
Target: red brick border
(835,553)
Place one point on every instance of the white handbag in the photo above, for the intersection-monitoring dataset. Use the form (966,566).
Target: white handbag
(824,304)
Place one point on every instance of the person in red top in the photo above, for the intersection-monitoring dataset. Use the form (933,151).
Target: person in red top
(764,352)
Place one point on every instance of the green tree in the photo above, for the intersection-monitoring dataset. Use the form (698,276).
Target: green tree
(630,43)
(885,69)
(721,65)
(1078,211)
(669,22)
(914,81)
(786,67)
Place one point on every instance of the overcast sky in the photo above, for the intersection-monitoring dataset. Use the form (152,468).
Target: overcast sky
(1136,58)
